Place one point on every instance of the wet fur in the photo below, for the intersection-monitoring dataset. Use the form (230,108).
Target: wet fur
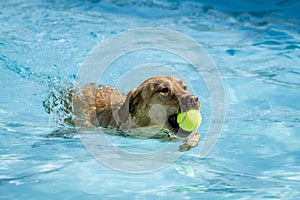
(99,105)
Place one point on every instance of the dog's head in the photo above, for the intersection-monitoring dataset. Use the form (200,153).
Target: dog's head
(166,94)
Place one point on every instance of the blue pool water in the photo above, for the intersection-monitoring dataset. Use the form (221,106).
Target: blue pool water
(256,48)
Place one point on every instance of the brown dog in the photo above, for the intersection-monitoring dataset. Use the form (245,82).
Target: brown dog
(155,103)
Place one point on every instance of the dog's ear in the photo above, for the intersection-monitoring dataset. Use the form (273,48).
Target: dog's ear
(129,105)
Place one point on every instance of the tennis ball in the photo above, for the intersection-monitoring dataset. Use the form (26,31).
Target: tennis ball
(189,120)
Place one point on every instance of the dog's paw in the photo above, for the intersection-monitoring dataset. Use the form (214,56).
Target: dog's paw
(190,142)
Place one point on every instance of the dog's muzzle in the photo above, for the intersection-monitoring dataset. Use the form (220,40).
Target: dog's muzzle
(188,102)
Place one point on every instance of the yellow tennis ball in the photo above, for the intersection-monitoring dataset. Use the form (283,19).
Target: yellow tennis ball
(189,120)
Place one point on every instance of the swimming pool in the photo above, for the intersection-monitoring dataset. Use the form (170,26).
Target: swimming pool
(255,47)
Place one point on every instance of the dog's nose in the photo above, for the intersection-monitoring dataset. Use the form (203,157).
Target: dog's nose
(190,98)
(195,98)
(188,102)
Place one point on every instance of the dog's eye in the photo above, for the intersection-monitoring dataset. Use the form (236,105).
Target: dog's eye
(164,90)
(184,87)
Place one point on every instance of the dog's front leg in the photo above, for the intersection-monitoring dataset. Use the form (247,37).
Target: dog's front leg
(191,141)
